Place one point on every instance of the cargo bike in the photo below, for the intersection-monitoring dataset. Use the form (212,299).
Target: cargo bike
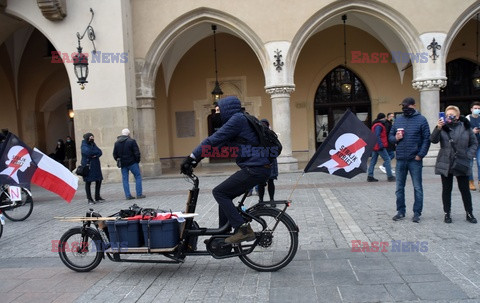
(83,248)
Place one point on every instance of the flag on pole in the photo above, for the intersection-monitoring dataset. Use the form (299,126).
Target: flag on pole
(346,149)
(20,165)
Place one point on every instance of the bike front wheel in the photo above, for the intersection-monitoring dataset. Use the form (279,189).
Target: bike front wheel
(80,249)
(22,209)
(277,241)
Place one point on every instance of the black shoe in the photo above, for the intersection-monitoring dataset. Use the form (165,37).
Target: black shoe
(371,179)
(398,216)
(447,218)
(99,199)
(416,218)
(90,201)
(130,198)
(391,179)
(141,197)
(471,218)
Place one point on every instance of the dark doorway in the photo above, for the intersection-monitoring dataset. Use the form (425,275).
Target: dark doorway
(459,90)
(331,103)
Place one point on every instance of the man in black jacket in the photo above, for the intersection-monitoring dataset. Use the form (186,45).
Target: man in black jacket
(127,154)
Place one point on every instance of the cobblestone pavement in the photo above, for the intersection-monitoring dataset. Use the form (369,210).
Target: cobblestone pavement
(440,264)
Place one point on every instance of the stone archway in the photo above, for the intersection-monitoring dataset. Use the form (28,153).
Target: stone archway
(330,103)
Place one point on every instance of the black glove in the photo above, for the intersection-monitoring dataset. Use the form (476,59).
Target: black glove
(187,165)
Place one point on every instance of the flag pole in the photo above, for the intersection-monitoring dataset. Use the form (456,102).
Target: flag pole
(295,186)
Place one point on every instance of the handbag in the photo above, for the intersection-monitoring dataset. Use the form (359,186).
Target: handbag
(83,170)
(461,163)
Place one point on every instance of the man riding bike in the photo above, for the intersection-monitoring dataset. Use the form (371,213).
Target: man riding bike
(236,138)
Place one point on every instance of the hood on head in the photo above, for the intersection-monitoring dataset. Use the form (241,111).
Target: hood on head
(86,136)
(228,107)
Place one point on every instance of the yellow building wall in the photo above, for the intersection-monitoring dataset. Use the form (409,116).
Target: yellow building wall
(189,84)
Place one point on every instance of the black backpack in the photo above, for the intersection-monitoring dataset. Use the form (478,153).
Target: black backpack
(267,138)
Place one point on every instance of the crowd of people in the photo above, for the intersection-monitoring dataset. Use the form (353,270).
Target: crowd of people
(126,153)
(407,138)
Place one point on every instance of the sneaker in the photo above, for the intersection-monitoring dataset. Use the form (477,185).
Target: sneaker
(91,202)
(99,199)
(416,218)
(382,169)
(398,216)
(471,218)
(130,198)
(447,219)
(244,233)
(371,179)
(391,179)
(141,197)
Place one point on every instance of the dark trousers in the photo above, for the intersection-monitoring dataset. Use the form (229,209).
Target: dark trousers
(234,186)
(270,187)
(447,185)
(98,184)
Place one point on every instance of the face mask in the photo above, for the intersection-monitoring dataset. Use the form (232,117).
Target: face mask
(476,112)
(408,111)
(451,118)
(91,140)
(68,140)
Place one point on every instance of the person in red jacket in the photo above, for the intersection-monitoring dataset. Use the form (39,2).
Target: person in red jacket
(380,149)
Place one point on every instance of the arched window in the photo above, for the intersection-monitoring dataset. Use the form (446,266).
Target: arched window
(331,103)
(459,90)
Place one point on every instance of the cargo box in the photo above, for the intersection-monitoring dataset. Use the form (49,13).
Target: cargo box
(161,233)
(125,233)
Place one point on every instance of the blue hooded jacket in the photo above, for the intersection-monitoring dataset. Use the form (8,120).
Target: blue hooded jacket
(416,140)
(235,129)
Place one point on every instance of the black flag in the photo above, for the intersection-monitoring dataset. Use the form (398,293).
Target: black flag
(16,164)
(346,149)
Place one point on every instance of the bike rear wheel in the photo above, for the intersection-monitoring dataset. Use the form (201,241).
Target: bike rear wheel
(80,249)
(277,243)
(22,209)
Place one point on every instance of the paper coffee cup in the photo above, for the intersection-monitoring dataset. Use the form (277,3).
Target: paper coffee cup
(401,130)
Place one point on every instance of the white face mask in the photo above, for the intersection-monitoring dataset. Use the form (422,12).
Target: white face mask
(476,111)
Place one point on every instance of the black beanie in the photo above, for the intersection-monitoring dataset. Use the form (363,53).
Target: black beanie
(380,116)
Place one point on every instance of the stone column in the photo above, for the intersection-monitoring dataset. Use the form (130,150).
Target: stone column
(146,136)
(282,125)
(430,106)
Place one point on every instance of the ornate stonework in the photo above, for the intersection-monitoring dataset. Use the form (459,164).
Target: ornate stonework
(280,90)
(53,10)
(429,84)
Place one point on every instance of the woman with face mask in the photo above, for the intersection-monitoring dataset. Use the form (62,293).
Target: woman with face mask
(455,136)
(91,156)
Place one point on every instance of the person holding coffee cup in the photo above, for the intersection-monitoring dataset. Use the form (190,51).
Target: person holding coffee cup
(411,135)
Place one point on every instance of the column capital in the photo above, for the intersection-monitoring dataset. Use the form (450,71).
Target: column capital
(280,89)
(429,84)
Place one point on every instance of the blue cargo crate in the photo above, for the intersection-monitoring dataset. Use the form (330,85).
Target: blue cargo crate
(125,233)
(161,233)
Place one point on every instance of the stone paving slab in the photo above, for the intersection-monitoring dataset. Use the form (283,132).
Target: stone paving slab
(331,212)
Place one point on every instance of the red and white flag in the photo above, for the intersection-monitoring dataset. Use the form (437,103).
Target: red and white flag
(20,165)
(54,176)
